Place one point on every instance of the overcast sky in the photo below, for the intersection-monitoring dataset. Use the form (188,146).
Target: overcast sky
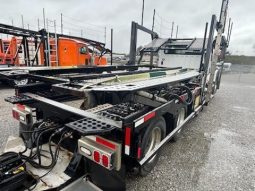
(92,16)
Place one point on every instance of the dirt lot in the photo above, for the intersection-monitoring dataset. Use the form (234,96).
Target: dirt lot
(215,152)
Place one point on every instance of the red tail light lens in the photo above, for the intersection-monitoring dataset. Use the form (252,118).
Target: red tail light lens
(96,156)
(20,107)
(105,161)
(15,114)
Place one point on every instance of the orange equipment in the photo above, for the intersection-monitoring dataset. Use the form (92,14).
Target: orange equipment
(8,49)
(71,52)
(68,52)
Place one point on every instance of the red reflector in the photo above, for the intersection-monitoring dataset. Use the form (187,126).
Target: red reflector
(105,143)
(15,114)
(127,136)
(149,116)
(139,152)
(105,161)
(96,156)
(20,107)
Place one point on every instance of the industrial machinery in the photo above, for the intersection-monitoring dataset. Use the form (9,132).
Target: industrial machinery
(83,129)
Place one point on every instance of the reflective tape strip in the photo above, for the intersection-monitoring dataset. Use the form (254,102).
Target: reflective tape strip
(103,141)
(140,122)
(127,140)
(127,149)
(145,118)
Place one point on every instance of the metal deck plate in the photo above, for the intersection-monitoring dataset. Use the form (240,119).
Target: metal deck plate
(87,126)
(147,83)
(18,99)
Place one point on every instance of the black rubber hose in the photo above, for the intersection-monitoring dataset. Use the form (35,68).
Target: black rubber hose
(175,96)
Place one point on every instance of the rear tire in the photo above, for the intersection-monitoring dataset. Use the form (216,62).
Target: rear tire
(180,118)
(155,132)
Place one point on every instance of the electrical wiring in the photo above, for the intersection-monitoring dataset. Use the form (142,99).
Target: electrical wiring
(57,152)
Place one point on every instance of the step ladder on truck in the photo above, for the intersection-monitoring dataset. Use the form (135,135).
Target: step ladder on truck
(95,127)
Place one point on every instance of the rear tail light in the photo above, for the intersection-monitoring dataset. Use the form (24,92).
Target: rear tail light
(22,113)
(104,152)
(105,161)
(15,114)
(20,107)
(96,156)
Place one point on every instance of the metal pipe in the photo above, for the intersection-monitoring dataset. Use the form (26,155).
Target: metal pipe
(203,50)
(61,23)
(142,13)
(151,96)
(111,44)
(172,30)
(153,19)
(38,23)
(44,22)
(22,21)
(177,30)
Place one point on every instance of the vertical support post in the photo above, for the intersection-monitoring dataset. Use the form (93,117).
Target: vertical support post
(28,26)
(104,35)
(36,53)
(229,23)
(61,23)
(111,44)
(216,51)
(142,13)
(28,54)
(153,19)
(25,50)
(177,30)
(22,21)
(151,59)
(172,30)
(209,49)
(38,24)
(203,49)
(81,33)
(230,32)
(44,21)
(133,44)
(12,23)
(43,41)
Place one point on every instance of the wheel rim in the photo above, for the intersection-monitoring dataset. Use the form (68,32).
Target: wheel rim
(21,82)
(181,118)
(154,140)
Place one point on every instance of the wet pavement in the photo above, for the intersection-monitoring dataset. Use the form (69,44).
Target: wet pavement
(216,151)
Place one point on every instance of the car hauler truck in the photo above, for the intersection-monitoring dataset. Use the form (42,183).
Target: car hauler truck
(85,131)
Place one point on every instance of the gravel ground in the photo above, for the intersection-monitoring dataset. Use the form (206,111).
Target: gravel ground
(216,151)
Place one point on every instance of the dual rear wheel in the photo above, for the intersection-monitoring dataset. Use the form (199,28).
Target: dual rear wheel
(154,134)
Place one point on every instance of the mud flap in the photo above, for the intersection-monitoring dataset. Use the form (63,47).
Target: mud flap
(106,179)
